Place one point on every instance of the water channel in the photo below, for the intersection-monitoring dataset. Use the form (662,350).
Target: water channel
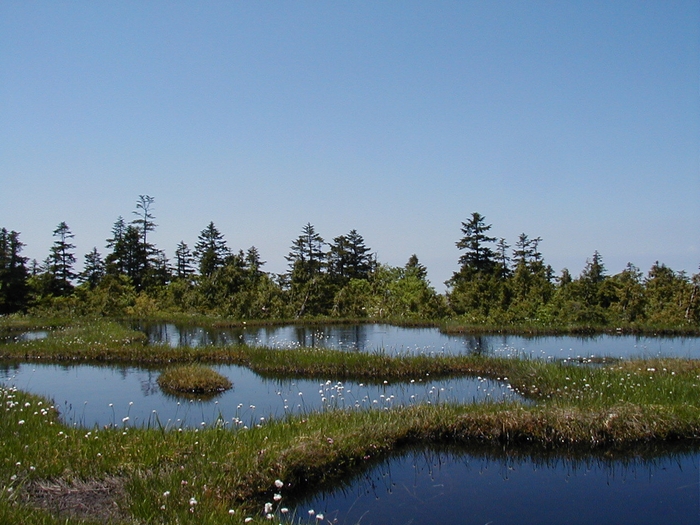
(396,339)
(88,395)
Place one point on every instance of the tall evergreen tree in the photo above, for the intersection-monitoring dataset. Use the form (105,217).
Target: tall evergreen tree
(129,255)
(144,222)
(523,252)
(184,260)
(415,268)
(93,269)
(254,263)
(14,290)
(307,257)
(349,258)
(502,258)
(115,262)
(210,251)
(62,260)
(307,284)
(479,257)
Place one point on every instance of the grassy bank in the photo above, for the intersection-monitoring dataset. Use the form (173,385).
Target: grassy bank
(447,326)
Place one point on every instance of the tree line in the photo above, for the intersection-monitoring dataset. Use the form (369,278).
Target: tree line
(494,284)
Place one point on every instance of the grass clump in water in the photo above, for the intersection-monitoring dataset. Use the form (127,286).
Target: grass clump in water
(193,379)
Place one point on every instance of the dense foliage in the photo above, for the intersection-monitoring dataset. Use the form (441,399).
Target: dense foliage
(341,278)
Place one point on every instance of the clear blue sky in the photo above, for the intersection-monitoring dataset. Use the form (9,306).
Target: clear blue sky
(578,122)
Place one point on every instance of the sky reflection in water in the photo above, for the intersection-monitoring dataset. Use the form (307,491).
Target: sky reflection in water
(397,340)
(84,393)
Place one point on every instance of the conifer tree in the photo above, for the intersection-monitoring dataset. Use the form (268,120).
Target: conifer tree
(14,290)
(210,251)
(306,277)
(93,269)
(479,257)
(62,260)
(184,260)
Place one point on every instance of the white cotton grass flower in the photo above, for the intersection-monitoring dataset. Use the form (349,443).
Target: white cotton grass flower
(279,483)
(277,497)
(268,508)
(248,519)
(193,502)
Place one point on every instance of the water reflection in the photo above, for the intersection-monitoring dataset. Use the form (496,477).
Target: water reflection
(90,395)
(399,340)
(20,337)
(453,486)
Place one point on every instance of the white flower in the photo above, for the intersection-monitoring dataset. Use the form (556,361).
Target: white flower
(277,497)
(231,511)
(166,493)
(279,484)
(193,502)
(248,520)
(268,508)
(20,422)
(319,517)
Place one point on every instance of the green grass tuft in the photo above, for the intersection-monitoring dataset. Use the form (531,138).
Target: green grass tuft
(193,379)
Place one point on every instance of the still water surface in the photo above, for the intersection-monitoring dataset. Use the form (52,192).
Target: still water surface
(89,395)
(396,339)
(426,487)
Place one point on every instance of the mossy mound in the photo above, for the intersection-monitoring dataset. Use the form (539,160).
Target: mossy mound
(193,379)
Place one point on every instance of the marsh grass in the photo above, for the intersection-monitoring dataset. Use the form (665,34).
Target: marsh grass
(456,326)
(193,379)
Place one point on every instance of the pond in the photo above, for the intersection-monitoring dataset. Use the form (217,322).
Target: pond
(395,339)
(452,486)
(88,395)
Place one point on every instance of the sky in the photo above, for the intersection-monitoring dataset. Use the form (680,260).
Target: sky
(574,121)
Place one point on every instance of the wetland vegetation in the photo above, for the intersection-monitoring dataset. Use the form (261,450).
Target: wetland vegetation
(124,473)
(52,472)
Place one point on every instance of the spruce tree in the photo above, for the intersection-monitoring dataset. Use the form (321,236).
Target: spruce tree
(210,251)
(479,257)
(184,260)
(62,260)
(93,269)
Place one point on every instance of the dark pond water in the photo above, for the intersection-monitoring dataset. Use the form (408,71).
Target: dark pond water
(430,487)
(100,395)
(394,340)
